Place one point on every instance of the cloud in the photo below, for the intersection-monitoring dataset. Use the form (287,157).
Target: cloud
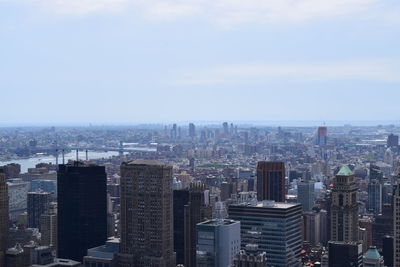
(225,12)
(365,70)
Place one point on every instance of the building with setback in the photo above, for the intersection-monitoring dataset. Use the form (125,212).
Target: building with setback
(279,226)
(82,209)
(344,210)
(271,181)
(146,215)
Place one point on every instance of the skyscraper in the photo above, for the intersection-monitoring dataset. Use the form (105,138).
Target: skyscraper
(3,217)
(392,140)
(82,209)
(192,130)
(218,241)
(374,196)
(322,136)
(38,204)
(146,215)
(344,217)
(197,210)
(271,181)
(396,224)
(305,194)
(181,198)
(279,226)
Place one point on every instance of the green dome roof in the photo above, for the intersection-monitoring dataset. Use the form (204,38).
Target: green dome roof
(372,253)
(345,171)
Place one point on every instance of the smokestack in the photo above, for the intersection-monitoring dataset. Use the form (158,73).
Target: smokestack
(63,158)
(77,155)
(87,156)
(57,158)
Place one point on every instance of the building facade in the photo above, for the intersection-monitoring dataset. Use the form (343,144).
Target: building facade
(82,209)
(146,215)
(271,181)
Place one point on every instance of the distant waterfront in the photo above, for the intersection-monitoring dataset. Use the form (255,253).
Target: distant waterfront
(32,161)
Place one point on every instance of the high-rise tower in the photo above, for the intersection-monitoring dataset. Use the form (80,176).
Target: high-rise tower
(396,224)
(146,215)
(3,217)
(344,210)
(271,181)
(322,136)
(82,209)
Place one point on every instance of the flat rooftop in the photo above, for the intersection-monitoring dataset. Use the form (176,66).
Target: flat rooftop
(268,204)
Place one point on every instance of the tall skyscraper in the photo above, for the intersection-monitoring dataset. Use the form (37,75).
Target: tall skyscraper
(82,209)
(271,181)
(344,217)
(192,130)
(48,227)
(3,217)
(374,196)
(181,199)
(392,140)
(306,194)
(218,241)
(197,210)
(279,226)
(38,204)
(146,215)
(396,224)
(322,136)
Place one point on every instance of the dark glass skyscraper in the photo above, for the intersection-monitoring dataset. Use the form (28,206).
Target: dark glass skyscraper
(181,198)
(82,209)
(38,204)
(271,181)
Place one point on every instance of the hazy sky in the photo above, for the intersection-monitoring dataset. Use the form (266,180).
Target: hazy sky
(129,61)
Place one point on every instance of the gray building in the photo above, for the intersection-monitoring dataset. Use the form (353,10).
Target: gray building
(103,256)
(218,241)
(38,204)
(306,194)
(280,228)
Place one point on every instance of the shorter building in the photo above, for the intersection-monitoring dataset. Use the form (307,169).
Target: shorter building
(42,255)
(17,195)
(372,258)
(345,254)
(38,204)
(218,241)
(103,255)
(49,186)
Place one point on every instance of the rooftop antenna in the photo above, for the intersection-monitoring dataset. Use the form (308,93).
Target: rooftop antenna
(77,155)
(63,157)
(87,156)
(56,157)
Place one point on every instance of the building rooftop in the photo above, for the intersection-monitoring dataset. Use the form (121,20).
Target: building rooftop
(372,253)
(268,204)
(344,171)
(216,222)
(143,162)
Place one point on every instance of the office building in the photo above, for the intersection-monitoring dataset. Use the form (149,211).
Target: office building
(392,140)
(192,130)
(218,241)
(48,227)
(345,254)
(322,136)
(282,244)
(42,255)
(375,197)
(306,194)
(180,199)
(312,226)
(82,209)
(271,181)
(372,258)
(146,215)
(4,220)
(197,210)
(250,257)
(38,204)
(396,224)
(387,250)
(17,197)
(382,225)
(344,209)
(49,186)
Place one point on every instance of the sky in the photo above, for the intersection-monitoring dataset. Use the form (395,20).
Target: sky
(163,61)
